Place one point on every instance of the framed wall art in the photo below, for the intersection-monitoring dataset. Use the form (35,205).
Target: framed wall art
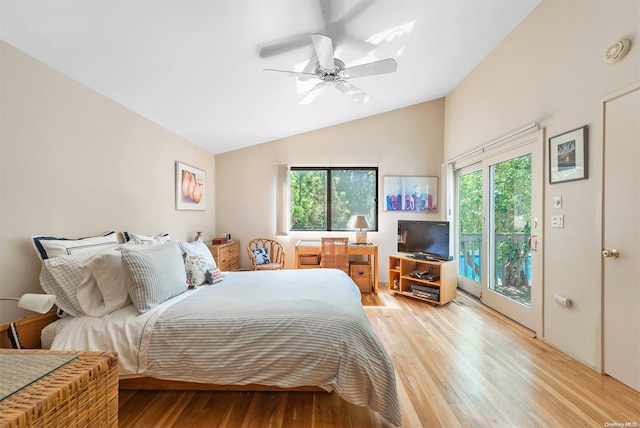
(417,194)
(190,187)
(568,156)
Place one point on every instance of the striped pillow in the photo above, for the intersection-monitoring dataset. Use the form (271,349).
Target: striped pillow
(61,276)
(153,273)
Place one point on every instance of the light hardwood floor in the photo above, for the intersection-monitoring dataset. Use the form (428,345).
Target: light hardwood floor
(457,365)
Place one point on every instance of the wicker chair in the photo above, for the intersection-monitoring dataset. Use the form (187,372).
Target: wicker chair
(276,254)
(335,254)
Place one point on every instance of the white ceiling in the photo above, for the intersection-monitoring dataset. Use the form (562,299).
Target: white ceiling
(195,67)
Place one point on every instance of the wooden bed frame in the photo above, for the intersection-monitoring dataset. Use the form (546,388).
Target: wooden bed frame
(29,329)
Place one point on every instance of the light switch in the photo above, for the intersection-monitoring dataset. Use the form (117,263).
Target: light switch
(557,220)
(557,202)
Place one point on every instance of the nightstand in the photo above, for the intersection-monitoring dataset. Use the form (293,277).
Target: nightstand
(227,255)
(63,388)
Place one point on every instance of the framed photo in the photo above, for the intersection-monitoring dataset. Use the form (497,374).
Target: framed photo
(417,194)
(568,156)
(190,187)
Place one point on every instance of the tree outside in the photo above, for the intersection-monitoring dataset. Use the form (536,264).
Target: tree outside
(511,209)
(353,191)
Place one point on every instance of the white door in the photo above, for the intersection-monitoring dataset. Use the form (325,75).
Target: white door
(499,216)
(621,237)
(513,211)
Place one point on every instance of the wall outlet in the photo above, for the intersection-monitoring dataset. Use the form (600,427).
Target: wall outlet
(557,220)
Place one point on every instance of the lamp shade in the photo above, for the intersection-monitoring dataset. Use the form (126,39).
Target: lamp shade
(358,222)
(40,303)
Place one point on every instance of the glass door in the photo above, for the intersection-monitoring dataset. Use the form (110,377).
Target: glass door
(499,213)
(513,204)
(469,229)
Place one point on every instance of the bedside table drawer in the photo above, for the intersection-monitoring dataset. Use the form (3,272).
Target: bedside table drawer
(227,255)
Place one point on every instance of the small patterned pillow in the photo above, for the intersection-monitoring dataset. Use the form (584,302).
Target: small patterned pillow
(261,255)
(214,275)
(196,268)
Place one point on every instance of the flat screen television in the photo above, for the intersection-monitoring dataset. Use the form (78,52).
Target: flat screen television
(424,239)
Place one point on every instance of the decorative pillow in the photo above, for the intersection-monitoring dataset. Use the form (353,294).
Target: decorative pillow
(261,255)
(103,289)
(199,248)
(214,275)
(48,246)
(145,239)
(153,273)
(196,268)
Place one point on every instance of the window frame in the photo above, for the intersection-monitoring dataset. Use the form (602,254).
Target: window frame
(328,210)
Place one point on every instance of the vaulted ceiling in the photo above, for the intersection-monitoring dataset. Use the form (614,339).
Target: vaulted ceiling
(195,67)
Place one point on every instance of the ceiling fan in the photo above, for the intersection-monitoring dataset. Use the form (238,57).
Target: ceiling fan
(335,20)
(332,72)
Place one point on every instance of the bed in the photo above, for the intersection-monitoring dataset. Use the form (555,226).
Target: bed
(285,329)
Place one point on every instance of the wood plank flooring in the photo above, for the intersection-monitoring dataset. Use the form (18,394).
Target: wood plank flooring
(457,366)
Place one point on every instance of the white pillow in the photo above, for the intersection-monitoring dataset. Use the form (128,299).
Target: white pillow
(145,239)
(48,246)
(154,273)
(103,289)
(62,276)
(199,248)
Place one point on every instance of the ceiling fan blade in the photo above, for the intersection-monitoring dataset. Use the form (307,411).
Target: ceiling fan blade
(284,45)
(291,73)
(352,92)
(326,9)
(324,50)
(358,9)
(313,93)
(377,67)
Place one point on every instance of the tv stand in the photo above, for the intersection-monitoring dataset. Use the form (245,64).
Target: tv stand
(438,292)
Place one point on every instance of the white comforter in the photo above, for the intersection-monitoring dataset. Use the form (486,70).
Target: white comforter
(281,328)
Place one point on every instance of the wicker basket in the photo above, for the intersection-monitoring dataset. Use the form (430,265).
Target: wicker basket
(81,393)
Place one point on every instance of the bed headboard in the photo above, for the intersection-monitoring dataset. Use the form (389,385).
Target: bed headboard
(29,329)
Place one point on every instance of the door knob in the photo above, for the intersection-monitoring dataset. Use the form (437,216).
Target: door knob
(612,253)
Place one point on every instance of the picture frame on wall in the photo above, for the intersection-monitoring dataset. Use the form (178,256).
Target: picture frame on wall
(190,187)
(411,194)
(568,156)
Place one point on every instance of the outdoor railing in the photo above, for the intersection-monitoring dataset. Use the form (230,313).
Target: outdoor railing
(470,263)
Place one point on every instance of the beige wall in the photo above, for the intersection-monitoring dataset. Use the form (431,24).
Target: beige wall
(408,141)
(74,163)
(550,70)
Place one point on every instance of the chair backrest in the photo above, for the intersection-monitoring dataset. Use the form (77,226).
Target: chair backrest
(335,254)
(276,250)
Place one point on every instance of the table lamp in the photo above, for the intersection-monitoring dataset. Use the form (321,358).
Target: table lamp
(359,222)
(40,303)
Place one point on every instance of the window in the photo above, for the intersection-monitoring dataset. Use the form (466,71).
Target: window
(353,191)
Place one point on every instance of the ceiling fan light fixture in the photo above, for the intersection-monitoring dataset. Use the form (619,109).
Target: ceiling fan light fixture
(332,71)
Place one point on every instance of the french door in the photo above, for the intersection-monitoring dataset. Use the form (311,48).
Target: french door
(499,206)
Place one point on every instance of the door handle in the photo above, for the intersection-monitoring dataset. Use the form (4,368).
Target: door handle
(612,253)
(530,243)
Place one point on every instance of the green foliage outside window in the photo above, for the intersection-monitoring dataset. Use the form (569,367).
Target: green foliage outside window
(352,191)
(512,208)
(511,221)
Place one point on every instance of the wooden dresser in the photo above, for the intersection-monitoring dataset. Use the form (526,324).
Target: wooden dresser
(227,255)
(80,392)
